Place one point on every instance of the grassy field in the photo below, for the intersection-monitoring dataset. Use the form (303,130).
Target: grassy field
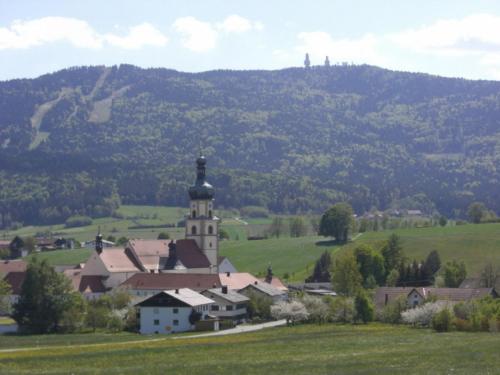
(295,256)
(306,349)
(475,244)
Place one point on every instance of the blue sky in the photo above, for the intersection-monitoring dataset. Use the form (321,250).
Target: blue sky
(444,37)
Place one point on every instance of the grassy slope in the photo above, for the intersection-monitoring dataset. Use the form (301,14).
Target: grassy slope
(307,349)
(476,245)
(293,255)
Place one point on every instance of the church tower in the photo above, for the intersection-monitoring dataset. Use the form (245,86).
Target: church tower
(202,225)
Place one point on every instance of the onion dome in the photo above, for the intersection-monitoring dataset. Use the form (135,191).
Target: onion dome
(201,188)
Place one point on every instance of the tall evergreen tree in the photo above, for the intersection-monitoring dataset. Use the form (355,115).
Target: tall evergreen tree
(392,253)
(321,271)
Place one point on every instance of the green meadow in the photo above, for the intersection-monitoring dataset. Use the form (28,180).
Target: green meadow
(476,245)
(306,349)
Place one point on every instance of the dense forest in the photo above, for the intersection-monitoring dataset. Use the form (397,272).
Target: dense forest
(82,140)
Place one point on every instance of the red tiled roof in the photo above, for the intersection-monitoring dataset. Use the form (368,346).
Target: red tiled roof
(85,283)
(237,280)
(15,280)
(7,266)
(149,252)
(118,260)
(190,254)
(164,281)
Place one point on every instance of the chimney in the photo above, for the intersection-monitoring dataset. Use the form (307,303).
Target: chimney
(228,274)
(224,289)
(177,291)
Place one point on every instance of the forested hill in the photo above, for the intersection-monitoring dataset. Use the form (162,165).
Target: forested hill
(293,140)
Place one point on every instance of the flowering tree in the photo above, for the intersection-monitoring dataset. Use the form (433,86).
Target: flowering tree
(422,315)
(293,311)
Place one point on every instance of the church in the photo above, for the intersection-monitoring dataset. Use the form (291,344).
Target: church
(197,253)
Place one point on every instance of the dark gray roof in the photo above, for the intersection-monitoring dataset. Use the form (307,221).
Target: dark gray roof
(231,295)
(265,288)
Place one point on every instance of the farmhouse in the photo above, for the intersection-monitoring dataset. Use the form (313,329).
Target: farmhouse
(264,290)
(173,311)
(416,296)
(229,304)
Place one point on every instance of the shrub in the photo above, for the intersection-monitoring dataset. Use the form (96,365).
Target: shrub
(364,310)
(163,236)
(77,221)
(115,323)
(462,325)
(342,310)
(441,322)
(391,313)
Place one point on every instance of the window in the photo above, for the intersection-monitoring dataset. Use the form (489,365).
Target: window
(193,215)
(176,322)
(240,306)
(215,307)
(156,322)
(210,229)
(155,310)
(210,244)
(210,213)
(193,230)
(176,311)
(229,308)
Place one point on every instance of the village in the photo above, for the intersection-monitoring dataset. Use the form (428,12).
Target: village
(185,285)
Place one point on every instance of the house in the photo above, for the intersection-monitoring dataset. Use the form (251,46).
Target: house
(228,304)
(90,286)
(15,279)
(4,244)
(416,296)
(173,311)
(274,281)
(141,285)
(114,265)
(262,289)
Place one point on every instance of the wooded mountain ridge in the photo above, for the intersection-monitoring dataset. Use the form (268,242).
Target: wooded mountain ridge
(81,140)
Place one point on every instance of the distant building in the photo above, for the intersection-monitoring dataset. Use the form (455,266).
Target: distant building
(172,311)
(228,304)
(416,296)
(264,290)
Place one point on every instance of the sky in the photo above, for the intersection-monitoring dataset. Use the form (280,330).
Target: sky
(454,38)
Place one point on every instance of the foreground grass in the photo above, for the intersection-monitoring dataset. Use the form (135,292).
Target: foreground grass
(307,349)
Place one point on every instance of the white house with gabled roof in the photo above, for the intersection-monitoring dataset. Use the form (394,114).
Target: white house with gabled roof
(173,311)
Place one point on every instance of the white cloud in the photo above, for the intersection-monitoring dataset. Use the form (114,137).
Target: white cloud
(238,24)
(26,34)
(320,44)
(200,36)
(139,36)
(477,33)
(197,35)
